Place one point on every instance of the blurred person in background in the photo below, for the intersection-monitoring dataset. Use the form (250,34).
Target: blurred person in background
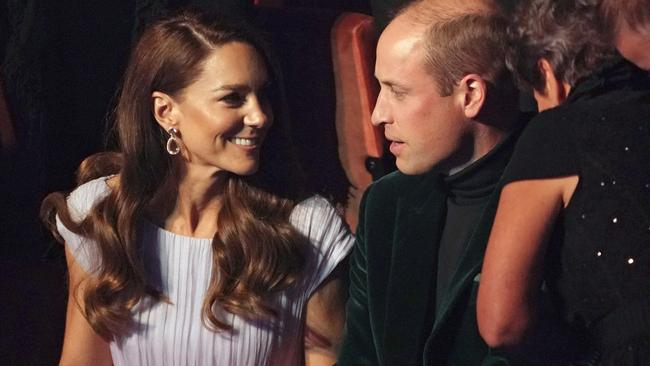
(574,213)
(629,21)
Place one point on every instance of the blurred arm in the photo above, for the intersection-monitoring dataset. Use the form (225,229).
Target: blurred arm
(325,319)
(513,264)
(81,345)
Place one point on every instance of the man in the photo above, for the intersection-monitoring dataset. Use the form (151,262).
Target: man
(449,110)
(630,21)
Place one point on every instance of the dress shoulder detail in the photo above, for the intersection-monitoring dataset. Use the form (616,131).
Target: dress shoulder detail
(330,238)
(80,203)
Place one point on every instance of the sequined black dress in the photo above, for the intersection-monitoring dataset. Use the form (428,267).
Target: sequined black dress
(598,259)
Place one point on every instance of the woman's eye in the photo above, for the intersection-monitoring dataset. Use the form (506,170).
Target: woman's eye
(233,99)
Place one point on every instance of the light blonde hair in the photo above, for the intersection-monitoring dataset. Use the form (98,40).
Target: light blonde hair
(634,13)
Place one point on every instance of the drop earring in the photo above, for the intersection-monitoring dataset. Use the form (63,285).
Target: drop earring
(173,143)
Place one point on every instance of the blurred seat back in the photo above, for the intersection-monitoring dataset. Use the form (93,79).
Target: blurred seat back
(360,144)
(7,134)
(274,3)
(301,38)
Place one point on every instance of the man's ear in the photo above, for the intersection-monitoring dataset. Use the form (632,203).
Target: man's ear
(555,90)
(164,110)
(473,89)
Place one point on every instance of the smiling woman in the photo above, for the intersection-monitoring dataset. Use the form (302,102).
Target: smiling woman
(194,244)
(223,115)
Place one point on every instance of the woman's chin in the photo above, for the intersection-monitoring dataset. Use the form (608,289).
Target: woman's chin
(246,170)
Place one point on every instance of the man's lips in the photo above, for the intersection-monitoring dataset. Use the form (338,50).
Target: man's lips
(396,147)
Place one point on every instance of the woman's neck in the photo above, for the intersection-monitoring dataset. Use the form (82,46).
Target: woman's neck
(189,202)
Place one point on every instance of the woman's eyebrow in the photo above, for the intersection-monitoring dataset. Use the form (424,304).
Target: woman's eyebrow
(232,87)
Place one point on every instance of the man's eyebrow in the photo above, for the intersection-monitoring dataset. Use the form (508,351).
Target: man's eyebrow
(391,84)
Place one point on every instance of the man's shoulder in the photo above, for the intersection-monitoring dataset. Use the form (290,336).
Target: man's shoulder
(395,184)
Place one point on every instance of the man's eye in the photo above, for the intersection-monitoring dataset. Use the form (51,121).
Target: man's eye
(398,93)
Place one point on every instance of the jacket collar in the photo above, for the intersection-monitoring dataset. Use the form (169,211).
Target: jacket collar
(413,263)
(419,221)
(470,263)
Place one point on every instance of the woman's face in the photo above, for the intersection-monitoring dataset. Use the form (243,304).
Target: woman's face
(223,116)
(634,45)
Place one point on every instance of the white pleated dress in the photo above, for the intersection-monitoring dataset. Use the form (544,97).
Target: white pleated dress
(173,333)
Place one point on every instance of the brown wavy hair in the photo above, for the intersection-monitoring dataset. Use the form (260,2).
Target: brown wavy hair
(256,251)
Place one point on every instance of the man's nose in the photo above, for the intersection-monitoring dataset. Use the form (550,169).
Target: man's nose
(380,114)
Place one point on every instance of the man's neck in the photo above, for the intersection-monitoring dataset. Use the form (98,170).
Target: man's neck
(484,139)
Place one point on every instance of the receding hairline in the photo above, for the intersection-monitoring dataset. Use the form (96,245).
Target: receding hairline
(430,12)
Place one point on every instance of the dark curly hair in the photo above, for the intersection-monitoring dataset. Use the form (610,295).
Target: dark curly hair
(569,34)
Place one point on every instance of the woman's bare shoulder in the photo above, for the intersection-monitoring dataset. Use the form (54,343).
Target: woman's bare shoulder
(113,181)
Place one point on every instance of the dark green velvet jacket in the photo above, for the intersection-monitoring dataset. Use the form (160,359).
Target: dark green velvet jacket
(392,276)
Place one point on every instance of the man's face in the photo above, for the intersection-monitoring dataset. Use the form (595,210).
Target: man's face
(425,130)
(634,45)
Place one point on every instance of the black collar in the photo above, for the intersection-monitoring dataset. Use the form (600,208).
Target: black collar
(615,74)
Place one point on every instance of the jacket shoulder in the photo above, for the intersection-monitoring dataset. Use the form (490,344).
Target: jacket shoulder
(392,186)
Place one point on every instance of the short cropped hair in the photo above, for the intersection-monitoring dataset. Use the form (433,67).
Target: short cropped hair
(569,34)
(636,13)
(461,38)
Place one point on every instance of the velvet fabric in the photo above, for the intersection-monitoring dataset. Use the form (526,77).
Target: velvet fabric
(392,279)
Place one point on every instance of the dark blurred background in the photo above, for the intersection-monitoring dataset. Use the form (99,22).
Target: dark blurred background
(61,63)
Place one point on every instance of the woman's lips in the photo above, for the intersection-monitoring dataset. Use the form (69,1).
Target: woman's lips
(246,143)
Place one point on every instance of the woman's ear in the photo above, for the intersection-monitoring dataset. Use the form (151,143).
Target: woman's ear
(555,90)
(473,90)
(164,110)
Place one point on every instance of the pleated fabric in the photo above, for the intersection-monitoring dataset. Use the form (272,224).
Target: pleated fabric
(172,333)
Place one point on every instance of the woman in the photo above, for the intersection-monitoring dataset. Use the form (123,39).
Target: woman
(200,250)
(630,22)
(575,208)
